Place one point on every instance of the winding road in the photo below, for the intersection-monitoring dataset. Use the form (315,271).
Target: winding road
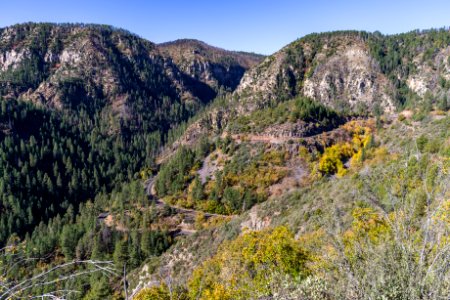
(189,213)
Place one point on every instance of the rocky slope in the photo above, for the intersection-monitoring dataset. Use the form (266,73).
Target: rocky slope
(112,72)
(358,72)
(211,65)
(293,145)
(354,70)
(324,211)
(431,76)
(337,70)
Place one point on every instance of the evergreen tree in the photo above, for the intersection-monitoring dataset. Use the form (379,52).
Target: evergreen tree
(121,254)
(197,189)
(100,288)
(69,241)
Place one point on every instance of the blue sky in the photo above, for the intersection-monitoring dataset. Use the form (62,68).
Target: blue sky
(260,26)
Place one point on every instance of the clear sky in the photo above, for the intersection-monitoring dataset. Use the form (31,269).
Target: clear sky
(261,26)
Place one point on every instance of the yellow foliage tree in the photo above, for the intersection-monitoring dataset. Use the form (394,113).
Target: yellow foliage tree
(331,161)
(161,292)
(368,228)
(154,293)
(248,265)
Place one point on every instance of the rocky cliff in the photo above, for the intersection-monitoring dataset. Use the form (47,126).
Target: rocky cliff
(355,72)
(337,70)
(211,65)
(110,71)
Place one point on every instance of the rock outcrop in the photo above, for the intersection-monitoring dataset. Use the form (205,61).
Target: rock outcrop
(335,70)
(114,72)
(350,78)
(213,66)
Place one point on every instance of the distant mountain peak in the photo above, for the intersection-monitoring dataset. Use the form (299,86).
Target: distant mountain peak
(212,65)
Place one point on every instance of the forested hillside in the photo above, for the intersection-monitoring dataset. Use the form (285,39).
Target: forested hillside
(213,66)
(85,109)
(354,70)
(133,170)
(104,71)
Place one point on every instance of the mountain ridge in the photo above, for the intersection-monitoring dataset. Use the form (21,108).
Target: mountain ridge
(202,173)
(209,63)
(46,62)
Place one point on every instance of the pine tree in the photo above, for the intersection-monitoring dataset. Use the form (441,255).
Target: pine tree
(147,243)
(100,289)
(121,254)
(197,190)
(69,241)
(135,256)
(443,104)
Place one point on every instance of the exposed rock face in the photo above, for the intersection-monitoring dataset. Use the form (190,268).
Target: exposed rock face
(339,72)
(418,84)
(429,74)
(254,222)
(350,78)
(258,84)
(61,65)
(213,66)
(11,59)
(95,55)
(210,124)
